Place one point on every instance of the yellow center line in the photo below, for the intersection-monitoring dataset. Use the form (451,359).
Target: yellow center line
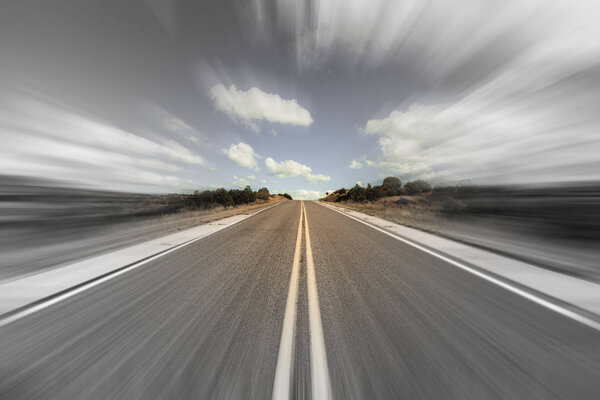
(283,370)
(321,386)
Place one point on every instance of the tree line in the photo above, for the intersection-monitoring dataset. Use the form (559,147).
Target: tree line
(227,198)
(391,186)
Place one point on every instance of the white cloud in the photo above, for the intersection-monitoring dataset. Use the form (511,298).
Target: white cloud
(52,141)
(255,105)
(315,178)
(355,164)
(483,137)
(521,92)
(175,124)
(287,169)
(243,155)
(177,152)
(290,168)
(243,181)
(302,194)
(159,117)
(359,35)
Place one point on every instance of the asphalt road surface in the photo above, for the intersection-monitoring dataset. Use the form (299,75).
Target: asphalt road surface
(270,309)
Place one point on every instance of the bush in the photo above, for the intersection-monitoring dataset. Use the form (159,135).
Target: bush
(356,194)
(222,197)
(342,194)
(385,191)
(393,184)
(371,193)
(243,196)
(263,194)
(417,186)
(287,196)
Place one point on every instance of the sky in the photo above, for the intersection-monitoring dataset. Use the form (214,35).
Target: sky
(304,97)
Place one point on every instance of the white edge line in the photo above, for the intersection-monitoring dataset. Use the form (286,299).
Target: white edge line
(110,275)
(285,357)
(321,386)
(529,296)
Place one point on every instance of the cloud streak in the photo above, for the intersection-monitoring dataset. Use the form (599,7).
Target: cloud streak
(47,140)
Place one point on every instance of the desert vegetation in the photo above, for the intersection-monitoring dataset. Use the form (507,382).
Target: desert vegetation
(391,186)
(555,225)
(38,202)
(45,222)
(208,199)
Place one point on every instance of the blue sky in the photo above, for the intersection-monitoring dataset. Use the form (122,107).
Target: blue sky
(173,96)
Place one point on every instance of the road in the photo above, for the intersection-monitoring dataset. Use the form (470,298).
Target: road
(270,309)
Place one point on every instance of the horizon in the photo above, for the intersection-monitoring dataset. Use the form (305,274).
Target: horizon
(177,96)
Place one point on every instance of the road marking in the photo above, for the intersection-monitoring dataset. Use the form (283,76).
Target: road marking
(321,387)
(520,292)
(285,357)
(28,310)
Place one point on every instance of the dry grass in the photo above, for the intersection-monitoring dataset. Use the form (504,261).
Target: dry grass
(418,211)
(187,219)
(28,256)
(509,235)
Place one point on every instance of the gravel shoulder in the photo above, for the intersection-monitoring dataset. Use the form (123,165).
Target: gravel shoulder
(518,239)
(35,249)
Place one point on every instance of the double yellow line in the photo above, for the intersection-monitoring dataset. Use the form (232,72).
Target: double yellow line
(321,386)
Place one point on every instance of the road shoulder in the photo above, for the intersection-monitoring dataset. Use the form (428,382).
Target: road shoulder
(577,295)
(22,292)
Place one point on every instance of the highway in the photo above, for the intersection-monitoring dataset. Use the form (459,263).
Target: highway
(298,302)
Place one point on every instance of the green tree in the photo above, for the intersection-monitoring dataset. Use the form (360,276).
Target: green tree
(263,194)
(393,184)
(223,197)
(417,186)
(372,193)
(356,194)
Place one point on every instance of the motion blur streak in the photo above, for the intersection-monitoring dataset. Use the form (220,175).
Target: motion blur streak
(205,321)
(523,293)
(131,127)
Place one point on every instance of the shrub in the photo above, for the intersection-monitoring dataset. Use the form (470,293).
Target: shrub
(356,194)
(263,194)
(372,193)
(393,183)
(417,186)
(222,197)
